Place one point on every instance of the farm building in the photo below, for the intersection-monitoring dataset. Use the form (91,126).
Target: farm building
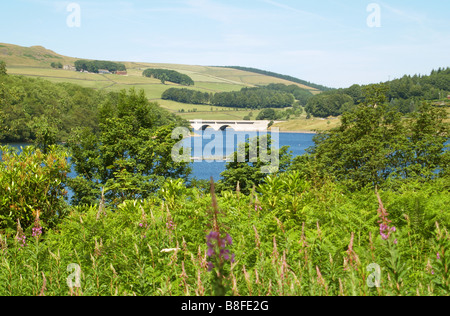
(103,71)
(122,73)
(69,67)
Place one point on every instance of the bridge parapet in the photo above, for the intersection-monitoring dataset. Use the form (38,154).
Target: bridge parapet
(238,126)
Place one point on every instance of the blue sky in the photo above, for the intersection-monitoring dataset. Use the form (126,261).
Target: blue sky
(326,42)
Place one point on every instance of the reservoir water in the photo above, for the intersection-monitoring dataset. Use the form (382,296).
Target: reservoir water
(213,143)
(206,168)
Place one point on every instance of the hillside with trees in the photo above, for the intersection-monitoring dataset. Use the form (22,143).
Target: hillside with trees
(404,94)
(300,94)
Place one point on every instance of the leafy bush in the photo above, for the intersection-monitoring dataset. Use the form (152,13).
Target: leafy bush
(32,183)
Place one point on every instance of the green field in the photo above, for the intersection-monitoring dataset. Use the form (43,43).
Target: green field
(308,125)
(35,62)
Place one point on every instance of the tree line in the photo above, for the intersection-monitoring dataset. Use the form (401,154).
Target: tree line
(95,65)
(187,96)
(300,94)
(272,96)
(254,98)
(169,75)
(404,94)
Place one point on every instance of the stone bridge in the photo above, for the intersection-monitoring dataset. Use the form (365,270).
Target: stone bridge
(238,126)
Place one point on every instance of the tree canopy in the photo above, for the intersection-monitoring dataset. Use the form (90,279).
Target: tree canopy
(187,96)
(95,65)
(403,95)
(31,107)
(57,65)
(130,156)
(254,98)
(2,68)
(169,75)
(374,144)
(252,162)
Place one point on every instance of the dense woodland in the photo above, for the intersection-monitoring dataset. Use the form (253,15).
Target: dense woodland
(254,98)
(37,110)
(404,94)
(363,213)
(94,66)
(271,96)
(300,94)
(187,96)
(33,109)
(169,75)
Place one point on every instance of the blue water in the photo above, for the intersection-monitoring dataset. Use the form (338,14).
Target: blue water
(222,144)
(205,169)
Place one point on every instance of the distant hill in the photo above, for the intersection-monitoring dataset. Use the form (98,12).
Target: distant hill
(36,62)
(34,56)
(17,57)
(285,77)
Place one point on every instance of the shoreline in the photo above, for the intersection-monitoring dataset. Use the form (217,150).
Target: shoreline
(281,132)
(298,132)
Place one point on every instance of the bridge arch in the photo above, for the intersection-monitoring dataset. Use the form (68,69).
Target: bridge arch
(225,127)
(205,127)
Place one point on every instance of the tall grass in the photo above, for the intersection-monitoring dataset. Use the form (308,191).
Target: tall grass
(331,245)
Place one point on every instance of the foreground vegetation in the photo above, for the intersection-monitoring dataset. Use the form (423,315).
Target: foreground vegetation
(314,240)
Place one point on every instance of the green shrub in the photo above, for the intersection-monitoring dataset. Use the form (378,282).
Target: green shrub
(32,182)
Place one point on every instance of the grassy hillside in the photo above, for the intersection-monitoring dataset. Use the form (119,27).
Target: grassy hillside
(34,56)
(35,62)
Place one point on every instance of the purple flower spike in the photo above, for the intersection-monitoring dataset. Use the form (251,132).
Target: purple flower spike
(229,240)
(217,249)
